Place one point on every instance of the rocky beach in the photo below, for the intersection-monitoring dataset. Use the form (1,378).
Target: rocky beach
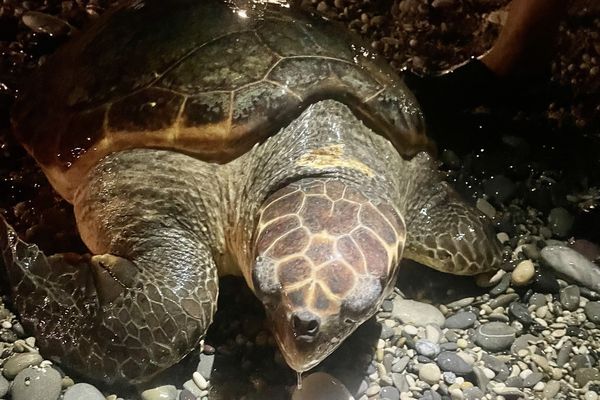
(531,164)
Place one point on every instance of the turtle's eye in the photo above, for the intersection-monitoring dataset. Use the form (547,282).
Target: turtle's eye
(363,298)
(264,279)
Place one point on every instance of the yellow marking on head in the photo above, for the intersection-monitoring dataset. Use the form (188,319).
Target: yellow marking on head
(332,156)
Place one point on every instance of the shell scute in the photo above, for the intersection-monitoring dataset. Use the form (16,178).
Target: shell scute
(148,110)
(218,65)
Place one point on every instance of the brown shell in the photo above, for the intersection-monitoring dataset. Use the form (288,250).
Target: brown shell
(201,78)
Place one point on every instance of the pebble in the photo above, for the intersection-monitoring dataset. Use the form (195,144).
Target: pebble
(560,221)
(321,386)
(502,285)
(401,364)
(564,354)
(4,385)
(166,392)
(522,343)
(451,362)
(494,336)
(83,391)
(19,362)
(486,208)
(503,300)
(461,320)
(592,311)
(499,188)
(569,297)
(585,375)
(430,373)
(36,384)
(205,365)
(572,264)
(538,300)
(416,313)
(551,389)
(523,273)
(532,379)
(400,382)
(473,393)
(389,393)
(427,348)
(199,380)
(186,395)
(521,313)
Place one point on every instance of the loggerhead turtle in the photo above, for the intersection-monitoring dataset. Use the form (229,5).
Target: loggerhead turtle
(196,139)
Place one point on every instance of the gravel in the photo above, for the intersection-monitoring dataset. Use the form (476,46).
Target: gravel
(538,326)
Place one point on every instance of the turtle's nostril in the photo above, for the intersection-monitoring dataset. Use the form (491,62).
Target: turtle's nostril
(305,324)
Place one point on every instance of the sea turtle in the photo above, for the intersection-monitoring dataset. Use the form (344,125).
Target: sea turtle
(197,139)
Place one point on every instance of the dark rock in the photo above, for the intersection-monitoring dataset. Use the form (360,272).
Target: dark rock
(461,320)
(521,313)
(451,362)
(569,297)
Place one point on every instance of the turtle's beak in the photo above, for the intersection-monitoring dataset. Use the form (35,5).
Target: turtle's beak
(305,339)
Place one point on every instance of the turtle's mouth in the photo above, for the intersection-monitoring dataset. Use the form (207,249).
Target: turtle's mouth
(303,352)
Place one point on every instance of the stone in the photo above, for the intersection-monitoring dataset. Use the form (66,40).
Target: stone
(494,336)
(569,297)
(502,285)
(538,300)
(400,382)
(205,365)
(427,348)
(186,395)
(451,362)
(585,375)
(401,364)
(461,320)
(592,311)
(564,354)
(389,393)
(166,392)
(503,300)
(83,391)
(19,362)
(551,389)
(499,188)
(473,393)
(321,386)
(416,313)
(572,264)
(4,385)
(36,384)
(486,208)
(523,273)
(521,313)
(532,379)
(522,343)
(430,373)
(560,221)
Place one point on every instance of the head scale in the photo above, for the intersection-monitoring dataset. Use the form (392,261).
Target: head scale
(326,256)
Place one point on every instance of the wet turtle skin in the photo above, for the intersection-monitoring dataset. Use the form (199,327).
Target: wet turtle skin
(196,139)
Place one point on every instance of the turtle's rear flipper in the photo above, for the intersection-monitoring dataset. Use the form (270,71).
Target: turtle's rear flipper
(97,315)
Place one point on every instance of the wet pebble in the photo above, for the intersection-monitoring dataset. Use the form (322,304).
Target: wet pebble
(523,273)
(166,392)
(416,313)
(532,379)
(34,383)
(551,389)
(485,207)
(400,382)
(494,336)
(461,320)
(473,393)
(560,221)
(592,311)
(499,188)
(501,286)
(321,386)
(205,365)
(451,362)
(83,391)
(521,313)
(569,297)
(572,264)
(19,362)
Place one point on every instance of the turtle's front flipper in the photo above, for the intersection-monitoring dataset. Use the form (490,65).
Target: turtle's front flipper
(444,232)
(145,301)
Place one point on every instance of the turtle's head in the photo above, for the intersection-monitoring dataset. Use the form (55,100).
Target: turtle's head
(326,257)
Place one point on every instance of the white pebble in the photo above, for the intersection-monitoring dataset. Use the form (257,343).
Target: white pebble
(199,380)
(411,330)
(6,324)
(523,273)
